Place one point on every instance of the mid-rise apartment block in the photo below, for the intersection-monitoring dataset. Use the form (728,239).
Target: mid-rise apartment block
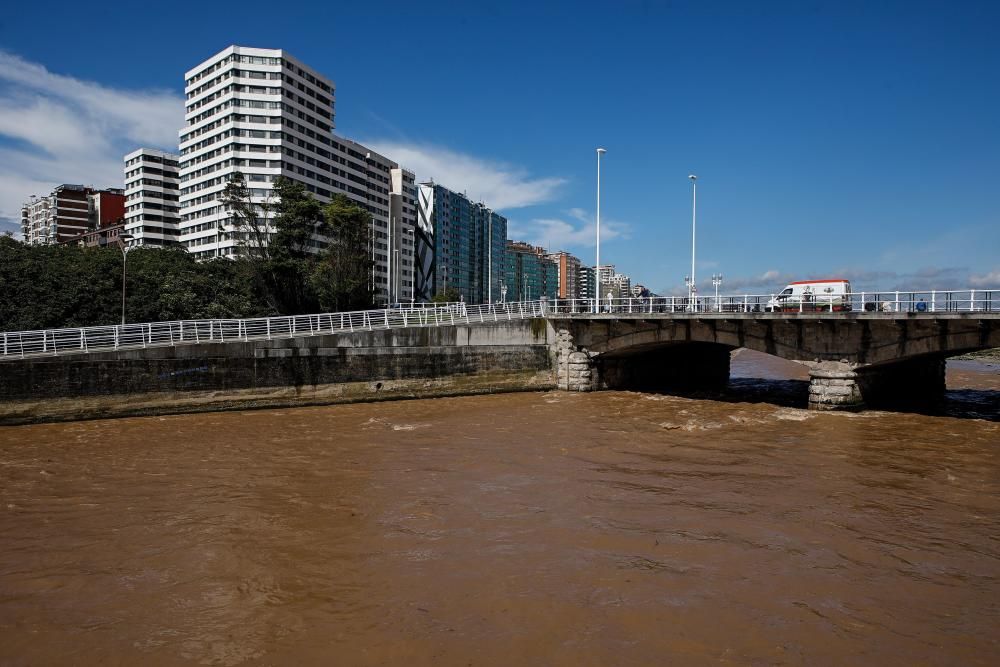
(267,115)
(460,246)
(588,282)
(68,212)
(530,272)
(152,193)
(569,274)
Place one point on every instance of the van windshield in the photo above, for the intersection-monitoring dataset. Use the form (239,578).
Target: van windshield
(788,290)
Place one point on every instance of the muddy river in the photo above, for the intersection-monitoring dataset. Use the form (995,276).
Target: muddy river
(613,528)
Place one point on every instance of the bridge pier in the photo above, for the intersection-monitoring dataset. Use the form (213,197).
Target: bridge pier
(834,386)
(843,386)
(575,369)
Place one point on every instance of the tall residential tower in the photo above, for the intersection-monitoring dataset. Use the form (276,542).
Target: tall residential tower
(266,114)
(151,198)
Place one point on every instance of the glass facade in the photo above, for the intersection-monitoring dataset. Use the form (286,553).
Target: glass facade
(468,242)
(529,273)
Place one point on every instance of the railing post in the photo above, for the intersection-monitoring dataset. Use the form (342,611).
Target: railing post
(933,300)
(386,318)
(268,328)
(897,301)
(116,337)
(5,344)
(972,299)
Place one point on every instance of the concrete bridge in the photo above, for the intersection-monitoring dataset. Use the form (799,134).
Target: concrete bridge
(854,358)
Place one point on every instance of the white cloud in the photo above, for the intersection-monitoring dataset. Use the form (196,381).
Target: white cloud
(559,234)
(989,280)
(500,185)
(59,129)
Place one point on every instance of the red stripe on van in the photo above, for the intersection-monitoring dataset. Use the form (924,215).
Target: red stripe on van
(828,280)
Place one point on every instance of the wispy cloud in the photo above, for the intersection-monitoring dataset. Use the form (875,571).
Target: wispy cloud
(989,280)
(576,229)
(59,129)
(500,185)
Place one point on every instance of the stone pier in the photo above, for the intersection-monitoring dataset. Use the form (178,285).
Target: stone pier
(575,369)
(845,386)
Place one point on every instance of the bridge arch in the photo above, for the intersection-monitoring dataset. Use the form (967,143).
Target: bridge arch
(853,359)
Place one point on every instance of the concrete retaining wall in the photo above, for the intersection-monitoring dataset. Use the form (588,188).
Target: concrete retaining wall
(377,365)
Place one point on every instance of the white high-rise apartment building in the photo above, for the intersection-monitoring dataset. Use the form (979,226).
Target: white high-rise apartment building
(152,189)
(265,114)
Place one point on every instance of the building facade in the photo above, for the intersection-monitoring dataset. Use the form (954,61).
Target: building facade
(152,198)
(588,282)
(569,274)
(265,114)
(530,272)
(460,245)
(69,211)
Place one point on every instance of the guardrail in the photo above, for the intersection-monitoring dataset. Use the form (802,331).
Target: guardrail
(933,301)
(54,342)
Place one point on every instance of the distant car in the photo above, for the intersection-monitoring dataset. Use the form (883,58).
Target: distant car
(831,294)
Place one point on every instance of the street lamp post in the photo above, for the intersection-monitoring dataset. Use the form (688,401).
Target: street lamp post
(694,198)
(717,280)
(597,267)
(123,240)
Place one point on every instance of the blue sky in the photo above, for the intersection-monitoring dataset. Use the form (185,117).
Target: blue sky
(830,138)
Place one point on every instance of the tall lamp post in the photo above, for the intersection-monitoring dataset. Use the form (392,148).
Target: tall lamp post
(597,267)
(694,199)
(717,280)
(123,240)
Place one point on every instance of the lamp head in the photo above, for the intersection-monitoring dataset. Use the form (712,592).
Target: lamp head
(601,150)
(692,177)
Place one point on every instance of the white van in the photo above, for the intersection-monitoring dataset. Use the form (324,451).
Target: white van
(829,294)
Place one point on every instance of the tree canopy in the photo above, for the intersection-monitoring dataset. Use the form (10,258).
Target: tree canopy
(296,256)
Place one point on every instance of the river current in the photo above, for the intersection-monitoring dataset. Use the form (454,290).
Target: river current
(613,528)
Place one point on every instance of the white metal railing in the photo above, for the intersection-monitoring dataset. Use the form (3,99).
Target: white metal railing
(896,301)
(19,344)
(48,342)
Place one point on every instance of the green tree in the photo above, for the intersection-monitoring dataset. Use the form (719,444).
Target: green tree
(275,237)
(341,277)
(446,295)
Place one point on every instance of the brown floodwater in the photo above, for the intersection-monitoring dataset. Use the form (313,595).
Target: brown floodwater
(613,528)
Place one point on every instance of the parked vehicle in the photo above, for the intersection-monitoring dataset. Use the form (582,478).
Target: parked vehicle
(830,294)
